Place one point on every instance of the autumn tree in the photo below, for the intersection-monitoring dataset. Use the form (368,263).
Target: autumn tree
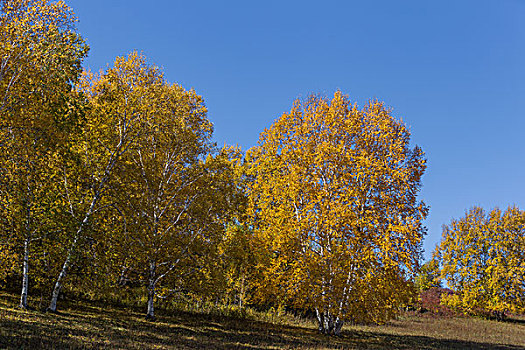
(428,276)
(41,55)
(334,203)
(26,200)
(119,105)
(483,260)
(240,259)
(178,201)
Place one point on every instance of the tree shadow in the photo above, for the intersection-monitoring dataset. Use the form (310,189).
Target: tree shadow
(90,327)
(513,320)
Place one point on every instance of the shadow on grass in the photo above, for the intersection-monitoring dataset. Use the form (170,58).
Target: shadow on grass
(91,327)
(520,321)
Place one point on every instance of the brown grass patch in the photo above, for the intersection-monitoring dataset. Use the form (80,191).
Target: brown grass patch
(86,325)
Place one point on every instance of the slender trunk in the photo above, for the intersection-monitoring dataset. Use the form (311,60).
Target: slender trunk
(65,267)
(327,324)
(96,197)
(25,275)
(241,293)
(122,279)
(58,285)
(27,241)
(320,320)
(338,326)
(151,291)
(151,311)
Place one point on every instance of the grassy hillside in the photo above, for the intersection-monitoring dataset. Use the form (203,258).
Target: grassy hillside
(86,325)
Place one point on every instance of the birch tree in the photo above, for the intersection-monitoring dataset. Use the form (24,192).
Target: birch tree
(26,198)
(119,106)
(482,256)
(40,60)
(178,198)
(334,204)
(240,259)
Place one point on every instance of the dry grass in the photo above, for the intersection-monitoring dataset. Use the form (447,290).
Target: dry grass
(454,332)
(86,325)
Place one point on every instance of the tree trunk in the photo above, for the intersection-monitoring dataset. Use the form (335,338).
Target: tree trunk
(338,326)
(241,293)
(500,315)
(320,320)
(151,311)
(65,267)
(25,276)
(25,265)
(327,324)
(151,292)
(58,285)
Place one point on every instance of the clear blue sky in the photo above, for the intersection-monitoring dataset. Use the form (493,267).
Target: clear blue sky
(454,71)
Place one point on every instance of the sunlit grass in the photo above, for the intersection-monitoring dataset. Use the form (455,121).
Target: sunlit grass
(89,325)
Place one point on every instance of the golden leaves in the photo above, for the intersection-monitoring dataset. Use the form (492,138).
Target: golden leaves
(333,192)
(40,58)
(482,260)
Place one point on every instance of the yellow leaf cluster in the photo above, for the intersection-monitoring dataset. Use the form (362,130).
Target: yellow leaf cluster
(334,203)
(482,258)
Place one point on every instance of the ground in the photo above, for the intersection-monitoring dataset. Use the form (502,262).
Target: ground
(85,325)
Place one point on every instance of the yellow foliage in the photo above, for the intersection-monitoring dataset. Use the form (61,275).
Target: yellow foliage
(40,58)
(40,55)
(483,262)
(173,190)
(333,203)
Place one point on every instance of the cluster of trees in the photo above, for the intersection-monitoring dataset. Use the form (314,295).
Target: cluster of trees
(111,181)
(110,176)
(482,258)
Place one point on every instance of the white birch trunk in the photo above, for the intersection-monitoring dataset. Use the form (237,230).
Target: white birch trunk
(58,285)
(338,326)
(65,267)
(25,275)
(25,264)
(150,315)
(121,147)
(327,324)
(241,293)
(320,320)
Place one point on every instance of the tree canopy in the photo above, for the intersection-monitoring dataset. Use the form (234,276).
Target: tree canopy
(333,199)
(40,61)
(482,258)
(111,183)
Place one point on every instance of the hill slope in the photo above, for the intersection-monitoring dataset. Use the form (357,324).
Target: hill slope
(86,325)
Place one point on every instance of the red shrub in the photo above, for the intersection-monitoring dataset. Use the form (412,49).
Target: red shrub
(431,301)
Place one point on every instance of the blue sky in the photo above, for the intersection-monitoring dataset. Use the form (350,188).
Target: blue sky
(454,71)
